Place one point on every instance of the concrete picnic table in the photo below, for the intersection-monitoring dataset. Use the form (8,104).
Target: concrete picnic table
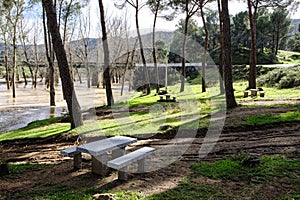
(99,149)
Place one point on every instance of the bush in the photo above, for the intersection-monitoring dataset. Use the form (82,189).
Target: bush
(281,78)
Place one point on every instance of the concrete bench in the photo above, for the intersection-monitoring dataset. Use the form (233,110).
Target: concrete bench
(73,152)
(121,163)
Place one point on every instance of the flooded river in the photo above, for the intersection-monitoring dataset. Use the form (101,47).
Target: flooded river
(33,104)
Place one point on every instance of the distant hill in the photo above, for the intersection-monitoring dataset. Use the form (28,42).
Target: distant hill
(161,35)
(77,45)
(295,23)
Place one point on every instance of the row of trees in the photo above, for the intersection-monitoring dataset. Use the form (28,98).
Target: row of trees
(59,16)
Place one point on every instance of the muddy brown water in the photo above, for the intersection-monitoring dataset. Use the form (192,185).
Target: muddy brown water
(32,104)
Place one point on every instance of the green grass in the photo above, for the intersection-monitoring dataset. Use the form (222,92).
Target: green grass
(61,192)
(288,57)
(230,170)
(271,93)
(268,118)
(188,112)
(20,168)
(269,168)
(37,129)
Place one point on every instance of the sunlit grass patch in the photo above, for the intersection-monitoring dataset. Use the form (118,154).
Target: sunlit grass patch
(271,93)
(288,57)
(186,190)
(37,129)
(271,118)
(149,114)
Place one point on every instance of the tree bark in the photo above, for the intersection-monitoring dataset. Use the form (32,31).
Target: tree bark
(205,50)
(6,67)
(67,83)
(50,59)
(221,56)
(148,89)
(230,99)
(154,49)
(109,95)
(183,60)
(14,60)
(252,72)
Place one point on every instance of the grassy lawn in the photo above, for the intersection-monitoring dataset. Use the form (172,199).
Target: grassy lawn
(37,129)
(271,94)
(190,111)
(288,57)
(191,106)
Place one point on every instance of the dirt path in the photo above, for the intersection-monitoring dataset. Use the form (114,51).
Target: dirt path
(260,140)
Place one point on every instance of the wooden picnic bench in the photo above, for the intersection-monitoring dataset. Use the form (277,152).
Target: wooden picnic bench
(120,160)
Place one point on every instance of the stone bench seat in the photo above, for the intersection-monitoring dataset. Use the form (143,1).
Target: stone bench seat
(73,152)
(121,163)
(70,152)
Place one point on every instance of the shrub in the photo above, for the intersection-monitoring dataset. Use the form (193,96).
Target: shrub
(281,78)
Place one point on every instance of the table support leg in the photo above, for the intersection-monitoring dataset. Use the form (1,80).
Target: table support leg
(118,153)
(99,164)
(123,174)
(142,165)
(77,161)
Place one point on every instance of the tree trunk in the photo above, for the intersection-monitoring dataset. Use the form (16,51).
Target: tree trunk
(50,59)
(148,89)
(183,68)
(36,62)
(230,99)
(86,63)
(14,60)
(6,68)
(154,49)
(205,50)
(67,83)
(109,94)
(221,56)
(277,41)
(24,76)
(252,72)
